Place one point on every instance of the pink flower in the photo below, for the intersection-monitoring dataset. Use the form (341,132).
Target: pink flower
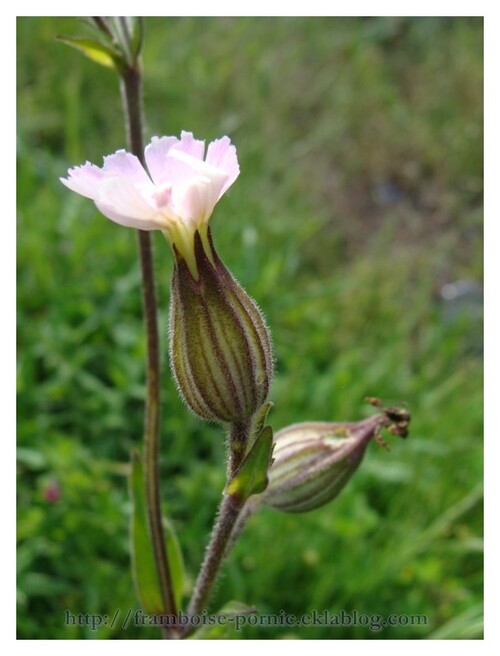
(176,195)
(52,492)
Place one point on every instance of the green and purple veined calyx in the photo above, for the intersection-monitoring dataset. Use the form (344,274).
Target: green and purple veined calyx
(313,461)
(220,348)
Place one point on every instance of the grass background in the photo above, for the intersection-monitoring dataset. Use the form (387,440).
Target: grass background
(360,198)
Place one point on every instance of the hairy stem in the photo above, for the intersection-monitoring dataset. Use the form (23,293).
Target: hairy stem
(217,548)
(131,91)
(225,530)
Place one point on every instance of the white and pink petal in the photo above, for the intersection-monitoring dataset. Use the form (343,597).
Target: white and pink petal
(125,165)
(129,221)
(190,146)
(184,169)
(121,201)
(222,154)
(155,154)
(194,203)
(84,180)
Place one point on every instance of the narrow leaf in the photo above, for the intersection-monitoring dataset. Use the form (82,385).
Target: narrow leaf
(101,54)
(143,561)
(251,477)
(176,561)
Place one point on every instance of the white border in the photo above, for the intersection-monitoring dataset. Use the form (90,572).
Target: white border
(492,328)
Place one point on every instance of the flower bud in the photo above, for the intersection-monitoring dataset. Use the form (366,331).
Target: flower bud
(220,349)
(313,461)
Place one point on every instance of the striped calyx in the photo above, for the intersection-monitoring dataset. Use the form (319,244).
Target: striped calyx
(313,461)
(220,350)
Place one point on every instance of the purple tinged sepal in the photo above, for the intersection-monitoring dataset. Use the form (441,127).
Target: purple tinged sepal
(313,461)
(220,348)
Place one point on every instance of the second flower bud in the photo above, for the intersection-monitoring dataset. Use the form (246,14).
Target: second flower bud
(313,461)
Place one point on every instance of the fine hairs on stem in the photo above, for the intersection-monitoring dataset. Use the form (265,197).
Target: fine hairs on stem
(229,522)
(227,516)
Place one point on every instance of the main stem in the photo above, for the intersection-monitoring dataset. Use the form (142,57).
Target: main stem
(131,91)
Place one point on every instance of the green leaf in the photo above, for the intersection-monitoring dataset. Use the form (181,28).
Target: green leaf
(222,629)
(143,560)
(99,53)
(175,559)
(251,477)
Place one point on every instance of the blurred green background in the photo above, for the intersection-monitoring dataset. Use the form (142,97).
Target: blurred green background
(356,223)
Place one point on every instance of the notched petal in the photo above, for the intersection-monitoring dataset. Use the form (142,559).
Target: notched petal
(222,154)
(84,180)
(191,146)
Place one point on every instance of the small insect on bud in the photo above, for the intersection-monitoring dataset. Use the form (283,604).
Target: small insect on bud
(220,349)
(398,417)
(313,461)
